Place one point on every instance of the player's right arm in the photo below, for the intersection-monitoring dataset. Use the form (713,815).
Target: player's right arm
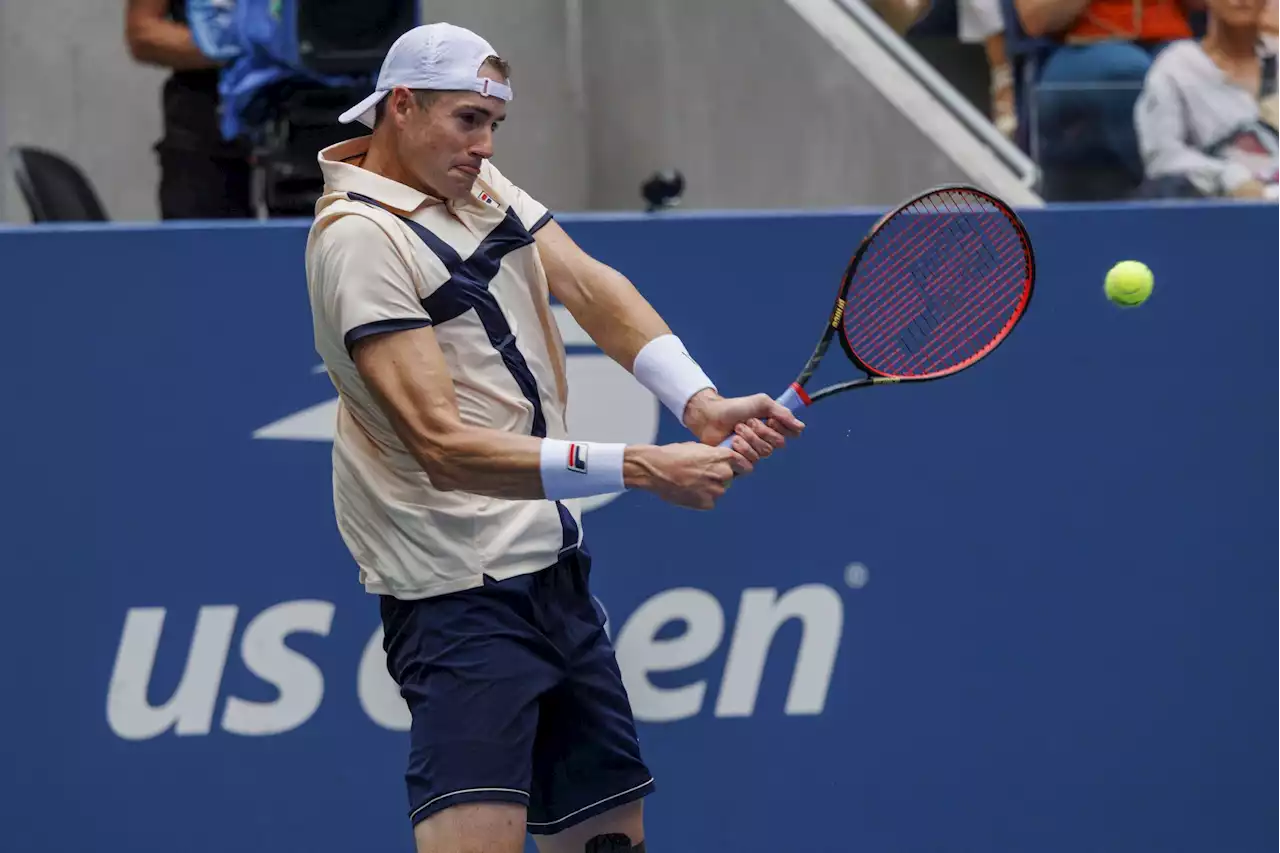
(364,290)
(406,373)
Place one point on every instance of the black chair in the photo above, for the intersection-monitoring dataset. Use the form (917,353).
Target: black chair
(54,188)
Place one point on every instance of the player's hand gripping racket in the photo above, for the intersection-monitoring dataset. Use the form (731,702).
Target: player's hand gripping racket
(935,286)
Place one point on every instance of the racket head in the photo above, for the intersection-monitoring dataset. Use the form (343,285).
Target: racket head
(935,286)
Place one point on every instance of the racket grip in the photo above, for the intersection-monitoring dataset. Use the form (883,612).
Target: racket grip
(793,398)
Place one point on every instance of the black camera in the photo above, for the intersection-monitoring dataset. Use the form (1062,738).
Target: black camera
(291,120)
(662,190)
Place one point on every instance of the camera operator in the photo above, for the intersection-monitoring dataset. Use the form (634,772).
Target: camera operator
(202,176)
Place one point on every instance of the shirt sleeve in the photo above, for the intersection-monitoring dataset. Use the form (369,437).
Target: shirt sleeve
(1164,138)
(531,212)
(367,287)
(978,20)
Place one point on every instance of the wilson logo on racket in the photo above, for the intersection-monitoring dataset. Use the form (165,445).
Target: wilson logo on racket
(837,314)
(577,458)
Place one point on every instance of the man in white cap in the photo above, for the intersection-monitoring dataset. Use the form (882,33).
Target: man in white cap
(430,275)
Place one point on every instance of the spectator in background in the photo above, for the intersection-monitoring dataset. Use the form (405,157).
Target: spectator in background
(1089,82)
(983,21)
(1206,120)
(1271,23)
(900,15)
(202,176)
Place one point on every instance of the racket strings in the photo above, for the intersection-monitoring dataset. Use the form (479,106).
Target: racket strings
(976,332)
(1003,242)
(982,308)
(940,283)
(894,303)
(896,309)
(911,343)
(909,252)
(891,306)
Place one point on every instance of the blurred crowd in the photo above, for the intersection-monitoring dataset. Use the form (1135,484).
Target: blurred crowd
(1119,99)
(1112,99)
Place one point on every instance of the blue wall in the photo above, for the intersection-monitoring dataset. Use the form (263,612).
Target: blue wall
(1037,599)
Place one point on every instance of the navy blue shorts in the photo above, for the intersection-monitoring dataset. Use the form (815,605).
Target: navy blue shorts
(516,697)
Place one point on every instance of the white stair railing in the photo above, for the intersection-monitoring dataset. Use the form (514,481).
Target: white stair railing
(924,96)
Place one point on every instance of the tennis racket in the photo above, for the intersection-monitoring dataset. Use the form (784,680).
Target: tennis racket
(934,287)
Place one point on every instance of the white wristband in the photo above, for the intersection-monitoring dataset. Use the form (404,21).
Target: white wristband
(579,469)
(666,368)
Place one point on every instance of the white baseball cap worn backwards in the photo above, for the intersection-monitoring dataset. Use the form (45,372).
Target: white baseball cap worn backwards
(431,56)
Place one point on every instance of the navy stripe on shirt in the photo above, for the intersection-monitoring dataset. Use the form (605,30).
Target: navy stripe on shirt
(468,289)
(378,327)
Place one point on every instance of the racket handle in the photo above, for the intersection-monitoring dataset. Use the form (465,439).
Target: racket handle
(793,398)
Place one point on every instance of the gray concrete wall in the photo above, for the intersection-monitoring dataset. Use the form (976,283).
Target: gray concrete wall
(748,102)
(67,83)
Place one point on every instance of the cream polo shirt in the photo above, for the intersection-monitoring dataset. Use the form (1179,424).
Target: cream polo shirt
(383,257)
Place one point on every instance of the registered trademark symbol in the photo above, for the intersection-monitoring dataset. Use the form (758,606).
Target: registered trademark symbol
(856,575)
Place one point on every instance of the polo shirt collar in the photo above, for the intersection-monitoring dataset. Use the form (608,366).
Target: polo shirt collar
(343,176)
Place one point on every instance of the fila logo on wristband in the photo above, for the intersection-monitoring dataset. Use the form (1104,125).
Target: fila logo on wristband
(569,471)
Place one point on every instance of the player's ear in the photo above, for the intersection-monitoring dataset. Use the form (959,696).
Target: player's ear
(400,101)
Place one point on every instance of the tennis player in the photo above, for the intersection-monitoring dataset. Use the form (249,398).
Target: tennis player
(429,275)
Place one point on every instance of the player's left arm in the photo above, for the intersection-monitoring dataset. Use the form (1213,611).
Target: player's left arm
(628,329)
(603,301)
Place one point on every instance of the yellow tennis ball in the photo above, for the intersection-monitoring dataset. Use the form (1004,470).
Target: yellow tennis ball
(1129,283)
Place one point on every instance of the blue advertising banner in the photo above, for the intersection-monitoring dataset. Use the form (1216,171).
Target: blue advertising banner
(1029,608)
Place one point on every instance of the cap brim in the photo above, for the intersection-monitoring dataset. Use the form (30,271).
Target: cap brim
(363,111)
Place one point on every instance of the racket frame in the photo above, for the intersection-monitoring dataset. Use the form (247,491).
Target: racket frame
(836,321)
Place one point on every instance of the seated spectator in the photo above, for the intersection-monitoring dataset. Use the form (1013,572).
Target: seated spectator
(1206,119)
(1089,81)
(983,21)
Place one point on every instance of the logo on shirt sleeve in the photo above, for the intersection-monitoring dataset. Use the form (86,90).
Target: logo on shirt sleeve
(578,458)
